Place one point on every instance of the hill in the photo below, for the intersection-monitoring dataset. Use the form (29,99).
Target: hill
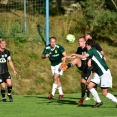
(34,73)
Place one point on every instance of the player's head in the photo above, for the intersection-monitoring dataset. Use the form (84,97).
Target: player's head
(2,43)
(90,43)
(52,41)
(88,36)
(81,41)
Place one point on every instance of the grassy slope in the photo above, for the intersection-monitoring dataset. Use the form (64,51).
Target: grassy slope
(35,74)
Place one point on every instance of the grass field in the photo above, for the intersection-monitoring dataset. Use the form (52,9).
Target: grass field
(40,106)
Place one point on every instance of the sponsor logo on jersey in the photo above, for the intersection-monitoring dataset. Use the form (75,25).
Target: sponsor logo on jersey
(2,60)
(55,51)
(55,55)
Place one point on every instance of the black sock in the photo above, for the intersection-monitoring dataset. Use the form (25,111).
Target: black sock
(9,89)
(82,94)
(3,93)
(69,65)
(87,91)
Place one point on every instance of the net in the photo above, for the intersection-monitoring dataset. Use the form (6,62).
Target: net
(22,18)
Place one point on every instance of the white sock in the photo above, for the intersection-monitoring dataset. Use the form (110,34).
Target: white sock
(111,97)
(9,93)
(95,94)
(54,87)
(60,90)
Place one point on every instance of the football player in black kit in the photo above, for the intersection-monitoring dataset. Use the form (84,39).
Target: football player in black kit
(81,64)
(5,77)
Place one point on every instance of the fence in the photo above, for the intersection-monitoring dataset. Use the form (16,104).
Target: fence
(22,18)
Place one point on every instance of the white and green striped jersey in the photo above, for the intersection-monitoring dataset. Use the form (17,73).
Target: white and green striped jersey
(98,61)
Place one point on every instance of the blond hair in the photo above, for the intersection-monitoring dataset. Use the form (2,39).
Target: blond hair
(1,40)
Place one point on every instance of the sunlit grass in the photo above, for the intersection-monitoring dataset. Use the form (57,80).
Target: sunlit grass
(40,106)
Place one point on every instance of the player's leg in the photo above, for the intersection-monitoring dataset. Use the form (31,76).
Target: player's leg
(76,62)
(9,85)
(56,81)
(109,95)
(3,87)
(83,90)
(9,88)
(94,70)
(106,80)
(87,92)
(61,94)
(83,67)
(95,80)
(54,85)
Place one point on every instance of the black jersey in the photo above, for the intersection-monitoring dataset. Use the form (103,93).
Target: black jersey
(81,51)
(98,47)
(3,61)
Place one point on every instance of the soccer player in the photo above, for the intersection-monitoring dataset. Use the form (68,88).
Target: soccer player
(55,53)
(5,77)
(98,47)
(81,64)
(83,67)
(102,75)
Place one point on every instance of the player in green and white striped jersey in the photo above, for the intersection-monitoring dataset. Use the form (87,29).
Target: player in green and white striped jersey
(103,75)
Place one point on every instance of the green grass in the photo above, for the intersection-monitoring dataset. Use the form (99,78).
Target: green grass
(40,106)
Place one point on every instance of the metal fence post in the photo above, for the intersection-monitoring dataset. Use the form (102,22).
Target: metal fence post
(47,22)
(25,16)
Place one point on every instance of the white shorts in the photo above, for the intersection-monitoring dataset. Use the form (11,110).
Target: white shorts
(105,80)
(55,69)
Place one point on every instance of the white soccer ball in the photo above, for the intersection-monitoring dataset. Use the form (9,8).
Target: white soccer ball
(70,38)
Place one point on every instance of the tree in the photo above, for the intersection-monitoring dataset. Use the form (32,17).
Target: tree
(101,20)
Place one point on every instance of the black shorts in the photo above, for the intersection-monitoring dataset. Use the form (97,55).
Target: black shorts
(94,69)
(4,77)
(85,75)
(84,68)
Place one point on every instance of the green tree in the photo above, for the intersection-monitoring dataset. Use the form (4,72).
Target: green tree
(100,20)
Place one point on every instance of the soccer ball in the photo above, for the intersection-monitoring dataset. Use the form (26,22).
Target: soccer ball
(70,38)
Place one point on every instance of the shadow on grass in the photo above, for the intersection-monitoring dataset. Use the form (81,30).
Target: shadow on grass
(87,105)
(55,100)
